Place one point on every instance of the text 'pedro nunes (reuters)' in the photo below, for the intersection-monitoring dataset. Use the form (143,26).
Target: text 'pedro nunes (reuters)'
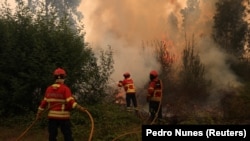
(196,132)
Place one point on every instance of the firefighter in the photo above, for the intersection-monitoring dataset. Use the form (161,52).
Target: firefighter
(59,101)
(154,96)
(128,84)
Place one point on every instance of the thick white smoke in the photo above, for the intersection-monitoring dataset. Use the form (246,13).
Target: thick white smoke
(126,24)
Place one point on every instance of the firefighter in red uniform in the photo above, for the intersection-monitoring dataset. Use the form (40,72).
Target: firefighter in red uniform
(154,96)
(58,99)
(129,87)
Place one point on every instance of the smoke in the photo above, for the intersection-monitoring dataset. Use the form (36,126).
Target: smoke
(125,25)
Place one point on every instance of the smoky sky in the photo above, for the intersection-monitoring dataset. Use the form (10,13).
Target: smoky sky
(128,25)
(125,24)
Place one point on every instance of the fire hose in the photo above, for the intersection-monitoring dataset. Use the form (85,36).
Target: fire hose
(135,132)
(82,110)
(156,114)
(127,133)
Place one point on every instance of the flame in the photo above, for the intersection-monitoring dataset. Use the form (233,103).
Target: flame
(168,54)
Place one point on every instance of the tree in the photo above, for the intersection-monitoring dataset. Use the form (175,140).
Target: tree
(33,45)
(92,85)
(60,6)
(229,26)
(193,83)
(166,60)
(191,13)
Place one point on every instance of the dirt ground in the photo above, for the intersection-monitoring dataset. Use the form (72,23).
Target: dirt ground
(12,134)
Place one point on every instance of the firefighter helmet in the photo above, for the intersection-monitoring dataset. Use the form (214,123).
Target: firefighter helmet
(60,72)
(154,73)
(126,74)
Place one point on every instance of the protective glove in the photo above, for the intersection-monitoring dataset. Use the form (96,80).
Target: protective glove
(80,108)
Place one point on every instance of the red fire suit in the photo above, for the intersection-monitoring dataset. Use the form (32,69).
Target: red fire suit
(154,98)
(129,87)
(58,98)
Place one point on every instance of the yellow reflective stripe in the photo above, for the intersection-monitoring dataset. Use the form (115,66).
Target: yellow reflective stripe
(130,90)
(39,108)
(59,114)
(70,98)
(74,104)
(55,85)
(56,100)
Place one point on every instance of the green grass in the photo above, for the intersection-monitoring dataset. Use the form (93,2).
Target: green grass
(110,122)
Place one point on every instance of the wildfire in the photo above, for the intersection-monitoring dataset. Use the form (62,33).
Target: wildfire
(166,52)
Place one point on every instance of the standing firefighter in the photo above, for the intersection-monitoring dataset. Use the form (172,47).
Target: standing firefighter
(129,87)
(154,96)
(58,98)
